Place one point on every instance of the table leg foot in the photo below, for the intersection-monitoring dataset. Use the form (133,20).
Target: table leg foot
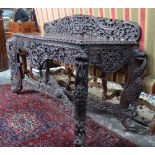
(79,134)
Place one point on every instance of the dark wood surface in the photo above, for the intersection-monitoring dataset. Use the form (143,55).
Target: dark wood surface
(81,40)
(3,52)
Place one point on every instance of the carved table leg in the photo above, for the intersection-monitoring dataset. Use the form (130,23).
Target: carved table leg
(70,75)
(31,72)
(134,85)
(47,70)
(152,126)
(17,82)
(16,69)
(104,86)
(81,93)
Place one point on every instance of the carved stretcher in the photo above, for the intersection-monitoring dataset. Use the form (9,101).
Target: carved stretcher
(80,40)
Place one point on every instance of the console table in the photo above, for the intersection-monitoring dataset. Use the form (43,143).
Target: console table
(80,40)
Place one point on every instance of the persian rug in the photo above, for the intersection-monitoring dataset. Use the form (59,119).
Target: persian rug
(34,119)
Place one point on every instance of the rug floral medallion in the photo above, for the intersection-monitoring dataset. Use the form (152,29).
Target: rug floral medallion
(23,123)
(34,119)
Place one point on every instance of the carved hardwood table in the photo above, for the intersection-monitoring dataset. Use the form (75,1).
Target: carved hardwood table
(80,40)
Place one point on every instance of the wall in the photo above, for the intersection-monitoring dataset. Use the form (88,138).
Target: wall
(143,16)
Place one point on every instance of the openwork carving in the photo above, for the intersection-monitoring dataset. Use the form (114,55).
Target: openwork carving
(134,85)
(81,93)
(107,29)
(80,40)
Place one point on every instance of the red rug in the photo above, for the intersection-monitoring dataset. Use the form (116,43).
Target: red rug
(34,119)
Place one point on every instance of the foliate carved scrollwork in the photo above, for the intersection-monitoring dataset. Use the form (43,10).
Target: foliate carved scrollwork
(134,85)
(39,50)
(15,66)
(52,88)
(80,93)
(80,40)
(111,60)
(107,29)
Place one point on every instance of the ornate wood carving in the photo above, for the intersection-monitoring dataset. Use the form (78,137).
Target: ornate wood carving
(134,85)
(80,40)
(107,29)
(80,94)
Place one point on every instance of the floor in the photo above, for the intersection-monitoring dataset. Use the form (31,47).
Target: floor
(103,119)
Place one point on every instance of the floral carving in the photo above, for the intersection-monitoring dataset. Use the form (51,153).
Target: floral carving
(80,40)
